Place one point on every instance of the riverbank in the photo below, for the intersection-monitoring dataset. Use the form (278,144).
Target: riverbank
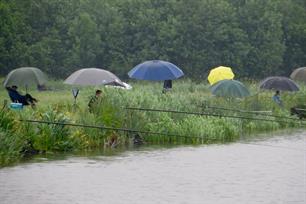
(270,170)
(20,139)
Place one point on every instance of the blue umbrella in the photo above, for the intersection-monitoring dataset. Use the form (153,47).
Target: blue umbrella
(156,70)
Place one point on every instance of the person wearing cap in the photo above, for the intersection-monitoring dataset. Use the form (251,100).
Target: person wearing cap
(94,100)
(16,97)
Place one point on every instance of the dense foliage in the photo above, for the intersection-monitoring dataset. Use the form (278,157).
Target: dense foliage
(20,139)
(256,37)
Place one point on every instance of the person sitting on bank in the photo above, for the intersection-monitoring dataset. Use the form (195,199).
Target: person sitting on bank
(16,97)
(94,100)
(276,98)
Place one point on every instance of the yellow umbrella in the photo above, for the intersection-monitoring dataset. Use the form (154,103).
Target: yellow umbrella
(220,73)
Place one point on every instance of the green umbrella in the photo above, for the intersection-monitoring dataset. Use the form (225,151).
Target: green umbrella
(230,89)
(25,76)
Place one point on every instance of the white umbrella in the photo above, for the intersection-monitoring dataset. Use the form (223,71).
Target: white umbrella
(94,77)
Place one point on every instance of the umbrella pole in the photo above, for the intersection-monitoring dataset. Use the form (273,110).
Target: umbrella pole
(75,93)
(74,105)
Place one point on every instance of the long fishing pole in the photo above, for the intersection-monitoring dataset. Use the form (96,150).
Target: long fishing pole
(250,112)
(110,128)
(274,146)
(4,105)
(138,131)
(207,114)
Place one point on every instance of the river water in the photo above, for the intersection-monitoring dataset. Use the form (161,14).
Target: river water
(271,170)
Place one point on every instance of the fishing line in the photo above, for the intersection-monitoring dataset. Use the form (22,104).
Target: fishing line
(210,114)
(252,112)
(267,145)
(146,132)
(4,105)
(111,128)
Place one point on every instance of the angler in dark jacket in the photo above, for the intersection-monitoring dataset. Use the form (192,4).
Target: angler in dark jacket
(16,97)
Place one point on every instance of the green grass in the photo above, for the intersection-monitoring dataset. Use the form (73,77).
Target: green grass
(19,139)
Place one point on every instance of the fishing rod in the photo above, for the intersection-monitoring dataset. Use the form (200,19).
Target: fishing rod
(274,146)
(4,105)
(138,131)
(110,128)
(252,112)
(207,114)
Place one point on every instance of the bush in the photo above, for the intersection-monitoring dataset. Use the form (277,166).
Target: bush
(19,139)
(54,137)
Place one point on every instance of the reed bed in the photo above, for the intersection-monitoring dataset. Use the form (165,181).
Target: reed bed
(19,139)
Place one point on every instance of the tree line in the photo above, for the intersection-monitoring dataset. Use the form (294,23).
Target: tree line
(257,38)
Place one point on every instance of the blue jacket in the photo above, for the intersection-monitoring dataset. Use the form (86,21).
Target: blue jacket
(15,96)
(276,99)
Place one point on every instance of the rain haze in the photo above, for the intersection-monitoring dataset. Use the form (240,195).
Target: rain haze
(152,101)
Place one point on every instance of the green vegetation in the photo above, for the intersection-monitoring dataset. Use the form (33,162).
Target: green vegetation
(19,139)
(257,38)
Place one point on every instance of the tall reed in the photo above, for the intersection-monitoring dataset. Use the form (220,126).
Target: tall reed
(18,139)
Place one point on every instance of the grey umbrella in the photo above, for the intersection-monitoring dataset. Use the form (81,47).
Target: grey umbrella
(279,83)
(93,76)
(299,74)
(25,76)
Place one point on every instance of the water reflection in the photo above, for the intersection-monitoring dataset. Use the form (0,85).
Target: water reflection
(262,171)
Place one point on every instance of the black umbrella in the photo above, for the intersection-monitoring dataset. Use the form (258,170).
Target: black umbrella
(279,83)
